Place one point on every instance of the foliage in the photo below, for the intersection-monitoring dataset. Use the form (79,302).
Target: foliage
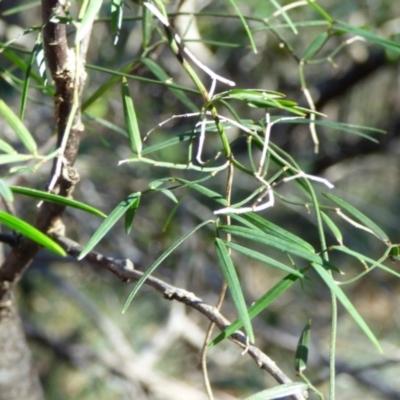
(196,136)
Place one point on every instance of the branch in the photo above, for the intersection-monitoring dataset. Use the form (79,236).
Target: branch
(124,269)
(67,70)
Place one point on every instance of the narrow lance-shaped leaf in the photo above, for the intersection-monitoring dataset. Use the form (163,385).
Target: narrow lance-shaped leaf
(87,20)
(338,292)
(164,77)
(30,232)
(316,46)
(232,280)
(18,127)
(159,261)
(5,191)
(55,198)
(25,88)
(130,119)
(263,258)
(363,219)
(130,215)
(117,11)
(301,357)
(261,304)
(147,27)
(281,391)
(333,228)
(108,223)
(13,158)
(4,146)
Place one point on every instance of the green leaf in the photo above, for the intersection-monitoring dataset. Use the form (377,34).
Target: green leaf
(87,20)
(320,10)
(301,357)
(268,227)
(18,127)
(338,292)
(12,158)
(260,305)
(31,232)
(316,46)
(130,119)
(388,44)
(164,77)
(245,25)
(108,223)
(130,215)
(159,261)
(5,191)
(364,220)
(373,263)
(55,198)
(333,228)
(4,146)
(232,280)
(147,27)
(285,16)
(117,11)
(281,391)
(282,244)
(263,258)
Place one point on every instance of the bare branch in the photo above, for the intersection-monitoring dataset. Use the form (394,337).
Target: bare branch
(124,269)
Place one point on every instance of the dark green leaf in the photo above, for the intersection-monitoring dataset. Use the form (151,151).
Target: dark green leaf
(364,220)
(130,215)
(263,258)
(232,280)
(261,304)
(55,198)
(301,357)
(117,11)
(338,292)
(108,223)
(316,46)
(159,261)
(130,119)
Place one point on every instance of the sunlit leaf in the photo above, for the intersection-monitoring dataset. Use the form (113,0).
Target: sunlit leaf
(279,392)
(232,280)
(117,11)
(54,198)
(5,191)
(30,232)
(87,20)
(285,16)
(18,127)
(4,146)
(108,223)
(12,158)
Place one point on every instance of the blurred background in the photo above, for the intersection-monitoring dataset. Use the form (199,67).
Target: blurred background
(84,347)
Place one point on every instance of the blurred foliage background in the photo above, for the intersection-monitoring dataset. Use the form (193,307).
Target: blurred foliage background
(73,312)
